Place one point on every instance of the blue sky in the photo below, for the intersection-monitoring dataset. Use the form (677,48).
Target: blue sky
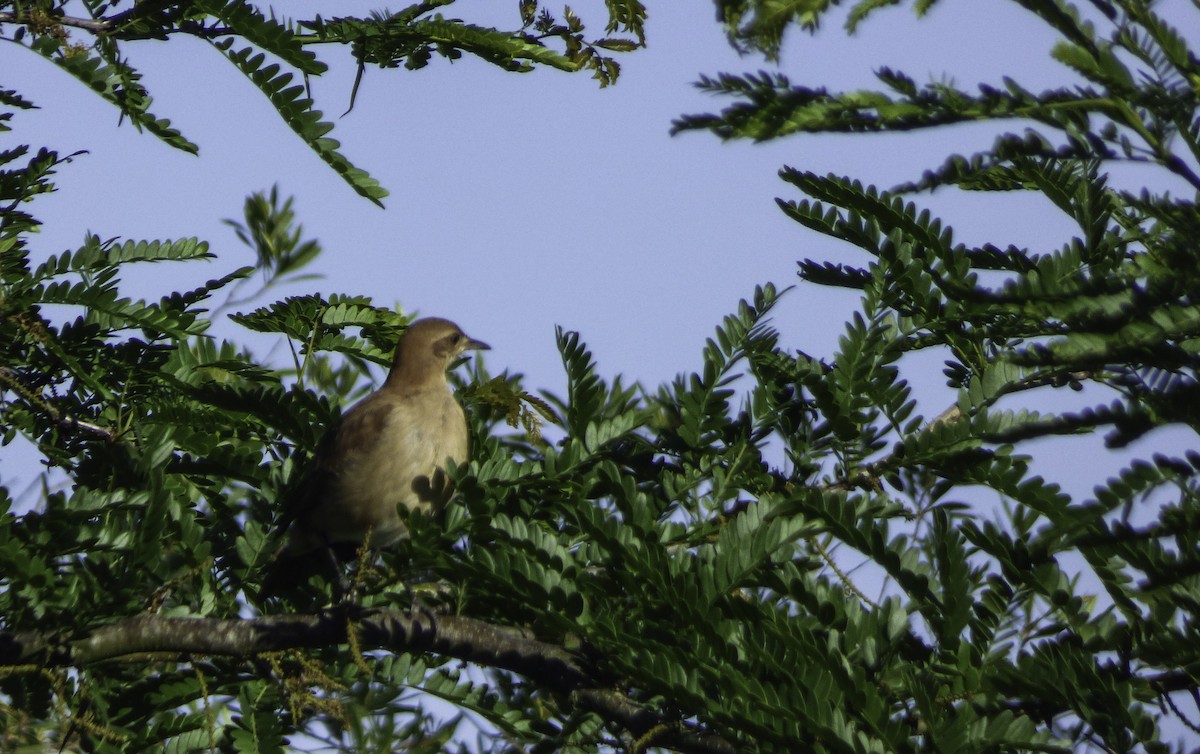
(521,202)
(524,201)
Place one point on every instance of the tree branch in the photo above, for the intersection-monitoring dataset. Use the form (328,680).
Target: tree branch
(112,25)
(12,381)
(95,26)
(453,636)
(870,476)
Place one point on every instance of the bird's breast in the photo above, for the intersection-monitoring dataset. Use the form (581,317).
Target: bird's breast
(396,458)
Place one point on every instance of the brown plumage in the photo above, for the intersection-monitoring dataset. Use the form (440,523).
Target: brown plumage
(388,450)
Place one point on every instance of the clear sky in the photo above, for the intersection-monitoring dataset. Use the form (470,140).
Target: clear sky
(521,202)
(524,201)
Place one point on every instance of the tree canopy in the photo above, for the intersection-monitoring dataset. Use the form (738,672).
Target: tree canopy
(773,552)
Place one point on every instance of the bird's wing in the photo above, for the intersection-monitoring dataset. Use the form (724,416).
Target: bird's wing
(350,443)
(313,483)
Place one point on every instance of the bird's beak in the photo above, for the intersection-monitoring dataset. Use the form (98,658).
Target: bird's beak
(476,345)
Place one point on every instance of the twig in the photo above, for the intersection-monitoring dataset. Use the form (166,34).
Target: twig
(112,26)
(95,26)
(58,417)
(845,577)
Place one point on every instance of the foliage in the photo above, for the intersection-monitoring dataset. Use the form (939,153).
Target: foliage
(772,553)
(1075,600)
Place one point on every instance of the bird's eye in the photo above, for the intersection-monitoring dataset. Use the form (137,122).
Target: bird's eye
(456,338)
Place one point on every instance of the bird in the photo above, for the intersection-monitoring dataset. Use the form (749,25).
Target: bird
(387,451)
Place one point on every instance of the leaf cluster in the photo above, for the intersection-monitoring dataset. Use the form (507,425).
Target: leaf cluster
(277,54)
(1110,314)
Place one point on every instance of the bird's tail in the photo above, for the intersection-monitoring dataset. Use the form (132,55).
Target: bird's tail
(282,574)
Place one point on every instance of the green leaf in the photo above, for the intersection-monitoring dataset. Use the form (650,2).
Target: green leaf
(298,112)
(116,82)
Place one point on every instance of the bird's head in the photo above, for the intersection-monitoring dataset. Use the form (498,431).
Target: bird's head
(428,347)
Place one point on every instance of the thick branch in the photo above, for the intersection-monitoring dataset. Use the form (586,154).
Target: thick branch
(453,636)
